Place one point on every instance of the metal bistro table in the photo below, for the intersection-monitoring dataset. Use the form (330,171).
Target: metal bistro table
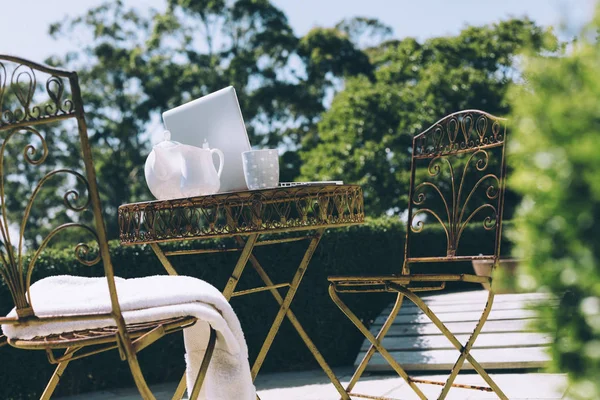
(245,216)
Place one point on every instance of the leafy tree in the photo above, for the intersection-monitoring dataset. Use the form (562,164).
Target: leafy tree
(329,55)
(365,32)
(116,107)
(365,136)
(26,158)
(555,156)
(134,65)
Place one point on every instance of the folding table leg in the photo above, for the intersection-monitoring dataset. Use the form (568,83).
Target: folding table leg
(366,333)
(239,267)
(286,302)
(227,292)
(296,324)
(204,366)
(464,350)
(163,259)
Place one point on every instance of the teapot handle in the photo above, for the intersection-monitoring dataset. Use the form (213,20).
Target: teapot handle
(221,160)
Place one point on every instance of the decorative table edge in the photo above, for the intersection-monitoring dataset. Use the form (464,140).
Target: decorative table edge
(247,212)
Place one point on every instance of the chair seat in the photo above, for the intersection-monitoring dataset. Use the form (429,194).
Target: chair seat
(369,280)
(169,302)
(104,335)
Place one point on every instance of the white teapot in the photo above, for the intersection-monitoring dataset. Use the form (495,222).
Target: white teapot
(174,170)
(198,174)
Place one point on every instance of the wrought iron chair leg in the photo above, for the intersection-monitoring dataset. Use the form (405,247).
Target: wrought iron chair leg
(467,348)
(134,367)
(465,355)
(140,382)
(53,382)
(382,332)
(180,391)
(384,353)
(204,366)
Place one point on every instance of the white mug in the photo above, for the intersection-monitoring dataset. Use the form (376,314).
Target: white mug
(261,168)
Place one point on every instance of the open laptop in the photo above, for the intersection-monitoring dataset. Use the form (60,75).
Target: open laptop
(217,119)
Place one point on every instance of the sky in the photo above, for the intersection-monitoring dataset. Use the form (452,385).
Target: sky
(28,37)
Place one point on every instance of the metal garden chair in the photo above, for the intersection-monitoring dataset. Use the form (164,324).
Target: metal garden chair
(33,99)
(457,179)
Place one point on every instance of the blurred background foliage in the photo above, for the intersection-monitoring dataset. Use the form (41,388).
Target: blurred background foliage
(555,155)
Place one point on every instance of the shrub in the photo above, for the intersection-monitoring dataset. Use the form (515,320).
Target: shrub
(555,154)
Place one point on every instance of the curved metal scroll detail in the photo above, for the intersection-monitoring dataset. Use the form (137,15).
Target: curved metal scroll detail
(82,250)
(266,211)
(21,92)
(455,219)
(459,132)
(14,268)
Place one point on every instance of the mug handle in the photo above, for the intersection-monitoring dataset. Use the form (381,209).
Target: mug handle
(221,160)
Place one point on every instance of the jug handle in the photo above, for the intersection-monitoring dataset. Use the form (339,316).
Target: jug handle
(221,160)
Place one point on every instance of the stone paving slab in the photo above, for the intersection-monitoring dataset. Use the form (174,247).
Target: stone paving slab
(313,385)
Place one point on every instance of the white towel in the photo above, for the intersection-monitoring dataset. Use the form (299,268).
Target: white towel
(147,299)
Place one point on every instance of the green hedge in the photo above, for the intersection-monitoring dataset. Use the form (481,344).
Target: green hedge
(376,247)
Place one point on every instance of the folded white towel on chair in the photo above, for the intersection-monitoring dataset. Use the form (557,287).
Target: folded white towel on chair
(149,299)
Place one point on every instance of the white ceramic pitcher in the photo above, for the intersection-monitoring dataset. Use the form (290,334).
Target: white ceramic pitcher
(198,174)
(174,170)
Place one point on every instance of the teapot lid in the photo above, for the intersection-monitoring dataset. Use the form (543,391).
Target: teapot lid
(167,142)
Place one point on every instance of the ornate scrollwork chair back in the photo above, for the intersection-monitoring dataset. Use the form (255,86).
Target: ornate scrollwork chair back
(36,103)
(34,99)
(456,182)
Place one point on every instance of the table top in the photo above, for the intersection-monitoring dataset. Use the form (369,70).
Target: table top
(241,213)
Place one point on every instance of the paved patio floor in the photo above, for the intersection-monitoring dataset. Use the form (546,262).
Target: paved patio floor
(313,385)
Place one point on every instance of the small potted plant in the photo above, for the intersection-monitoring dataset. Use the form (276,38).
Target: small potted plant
(504,274)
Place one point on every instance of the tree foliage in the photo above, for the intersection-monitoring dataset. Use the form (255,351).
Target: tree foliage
(365,136)
(364,32)
(555,155)
(134,65)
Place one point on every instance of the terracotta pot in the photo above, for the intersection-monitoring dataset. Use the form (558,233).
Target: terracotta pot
(484,268)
